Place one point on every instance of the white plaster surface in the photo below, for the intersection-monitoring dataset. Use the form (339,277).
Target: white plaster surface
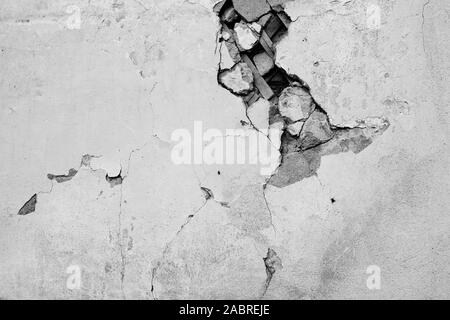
(135,71)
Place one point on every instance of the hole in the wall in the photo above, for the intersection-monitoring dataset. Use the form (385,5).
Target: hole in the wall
(115,181)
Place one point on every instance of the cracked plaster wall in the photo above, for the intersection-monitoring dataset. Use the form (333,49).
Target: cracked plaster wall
(137,70)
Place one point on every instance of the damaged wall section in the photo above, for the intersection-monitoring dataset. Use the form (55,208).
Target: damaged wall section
(250,31)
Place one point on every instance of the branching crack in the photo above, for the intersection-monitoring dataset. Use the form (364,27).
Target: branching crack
(30,206)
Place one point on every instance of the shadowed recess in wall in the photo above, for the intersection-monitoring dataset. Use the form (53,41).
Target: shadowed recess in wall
(250,31)
(272,263)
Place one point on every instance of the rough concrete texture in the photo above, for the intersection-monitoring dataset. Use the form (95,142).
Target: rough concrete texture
(88,181)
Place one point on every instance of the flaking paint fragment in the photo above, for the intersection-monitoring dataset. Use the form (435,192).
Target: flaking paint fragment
(29,206)
(114,181)
(306,131)
(63,178)
(272,263)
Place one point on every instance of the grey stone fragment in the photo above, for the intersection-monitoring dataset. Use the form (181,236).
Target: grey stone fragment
(258,113)
(264,19)
(316,130)
(272,262)
(238,79)
(114,181)
(63,178)
(251,10)
(229,55)
(277,5)
(295,103)
(263,62)
(274,3)
(29,206)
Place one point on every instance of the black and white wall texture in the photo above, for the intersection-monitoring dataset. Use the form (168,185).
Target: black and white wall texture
(236,149)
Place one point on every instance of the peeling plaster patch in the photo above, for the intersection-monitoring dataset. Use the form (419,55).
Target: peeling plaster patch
(249,212)
(209,195)
(69,227)
(295,128)
(79,224)
(94,163)
(226,61)
(63,178)
(29,206)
